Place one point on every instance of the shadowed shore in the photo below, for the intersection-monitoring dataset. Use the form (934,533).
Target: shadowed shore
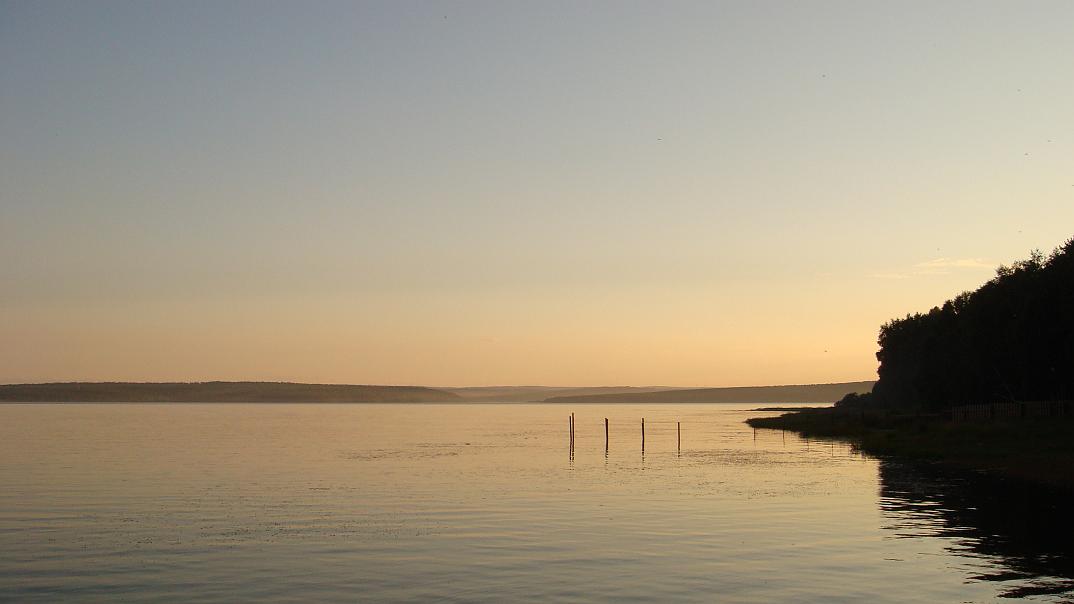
(1037,450)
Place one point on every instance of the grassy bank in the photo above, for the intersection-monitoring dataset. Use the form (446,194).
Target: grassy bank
(1038,450)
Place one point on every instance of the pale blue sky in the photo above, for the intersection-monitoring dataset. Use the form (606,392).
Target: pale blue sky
(481,193)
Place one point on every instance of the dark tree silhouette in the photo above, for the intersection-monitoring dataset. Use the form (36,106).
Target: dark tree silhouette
(1011,339)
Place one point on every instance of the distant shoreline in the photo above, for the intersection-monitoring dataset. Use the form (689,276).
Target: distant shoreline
(451,402)
(776,395)
(787,408)
(291,392)
(218,392)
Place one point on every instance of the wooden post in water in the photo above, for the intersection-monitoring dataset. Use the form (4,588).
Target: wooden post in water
(605,435)
(643,435)
(678,435)
(570,424)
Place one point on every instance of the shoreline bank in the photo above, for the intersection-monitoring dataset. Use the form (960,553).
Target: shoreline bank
(1037,450)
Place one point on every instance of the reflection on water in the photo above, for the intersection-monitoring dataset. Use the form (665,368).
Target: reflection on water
(490,503)
(1024,535)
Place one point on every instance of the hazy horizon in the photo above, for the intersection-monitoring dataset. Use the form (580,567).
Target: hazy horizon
(448,386)
(451,387)
(694,194)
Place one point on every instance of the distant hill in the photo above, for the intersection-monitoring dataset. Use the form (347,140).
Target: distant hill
(804,393)
(219,392)
(287,392)
(536,394)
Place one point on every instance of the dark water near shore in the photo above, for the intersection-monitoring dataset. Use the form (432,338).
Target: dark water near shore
(484,503)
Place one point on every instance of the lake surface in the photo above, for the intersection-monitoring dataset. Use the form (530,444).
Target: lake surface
(486,503)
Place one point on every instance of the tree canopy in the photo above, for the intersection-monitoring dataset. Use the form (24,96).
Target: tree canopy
(1012,339)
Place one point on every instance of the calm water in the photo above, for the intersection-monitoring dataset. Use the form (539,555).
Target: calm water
(484,503)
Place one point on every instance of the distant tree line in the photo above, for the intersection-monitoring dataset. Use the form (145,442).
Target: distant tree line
(1010,340)
(214,392)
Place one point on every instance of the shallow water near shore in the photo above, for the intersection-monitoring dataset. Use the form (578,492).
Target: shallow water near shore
(487,503)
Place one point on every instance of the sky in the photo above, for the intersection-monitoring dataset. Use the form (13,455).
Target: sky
(480,193)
